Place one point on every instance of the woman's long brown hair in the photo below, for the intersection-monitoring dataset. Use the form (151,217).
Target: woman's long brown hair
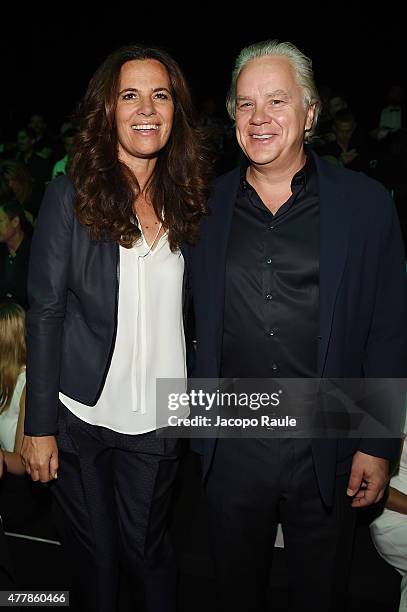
(106,188)
(12,349)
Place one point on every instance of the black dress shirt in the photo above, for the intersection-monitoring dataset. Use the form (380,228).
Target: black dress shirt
(271,316)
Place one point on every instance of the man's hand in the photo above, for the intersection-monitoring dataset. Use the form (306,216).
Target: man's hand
(40,457)
(348,156)
(368,479)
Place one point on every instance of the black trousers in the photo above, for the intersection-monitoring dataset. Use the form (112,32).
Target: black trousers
(253,485)
(111,505)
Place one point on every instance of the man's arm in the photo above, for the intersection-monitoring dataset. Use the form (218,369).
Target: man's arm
(385,357)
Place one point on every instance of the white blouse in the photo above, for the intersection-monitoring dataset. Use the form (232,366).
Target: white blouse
(149,344)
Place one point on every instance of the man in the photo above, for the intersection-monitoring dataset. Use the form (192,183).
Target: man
(62,165)
(349,147)
(37,166)
(14,253)
(43,141)
(299,273)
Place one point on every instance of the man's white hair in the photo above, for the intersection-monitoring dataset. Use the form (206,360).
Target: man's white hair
(301,64)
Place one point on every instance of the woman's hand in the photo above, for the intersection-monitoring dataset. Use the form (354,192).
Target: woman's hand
(40,457)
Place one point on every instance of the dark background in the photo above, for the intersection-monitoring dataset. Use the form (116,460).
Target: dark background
(49,54)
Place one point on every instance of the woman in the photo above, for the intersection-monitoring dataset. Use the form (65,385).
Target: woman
(12,386)
(106,296)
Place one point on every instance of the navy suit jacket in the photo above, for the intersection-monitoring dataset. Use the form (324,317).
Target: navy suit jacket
(363,301)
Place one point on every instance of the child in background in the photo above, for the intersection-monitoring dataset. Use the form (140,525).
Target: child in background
(389,530)
(12,386)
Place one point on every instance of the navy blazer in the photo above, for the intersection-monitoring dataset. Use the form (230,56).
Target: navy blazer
(363,298)
(73,286)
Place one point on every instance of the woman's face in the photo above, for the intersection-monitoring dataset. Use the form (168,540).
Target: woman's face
(144,111)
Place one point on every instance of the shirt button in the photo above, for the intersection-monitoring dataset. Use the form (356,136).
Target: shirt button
(270,227)
(269,296)
(274,367)
(268,261)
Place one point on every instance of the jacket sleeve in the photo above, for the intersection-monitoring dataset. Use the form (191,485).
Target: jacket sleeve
(386,348)
(47,290)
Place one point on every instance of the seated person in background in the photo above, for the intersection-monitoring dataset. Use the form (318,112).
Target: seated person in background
(22,185)
(15,242)
(333,104)
(389,530)
(349,148)
(12,386)
(37,166)
(61,165)
(43,145)
(392,116)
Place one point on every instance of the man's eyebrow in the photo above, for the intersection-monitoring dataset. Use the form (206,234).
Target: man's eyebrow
(279,92)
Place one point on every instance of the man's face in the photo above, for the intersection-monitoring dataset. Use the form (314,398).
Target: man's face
(68,144)
(37,124)
(270,114)
(8,227)
(24,141)
(336,104)
(343,129)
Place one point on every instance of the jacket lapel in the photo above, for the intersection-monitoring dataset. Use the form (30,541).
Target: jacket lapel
(221,204)
(335,223)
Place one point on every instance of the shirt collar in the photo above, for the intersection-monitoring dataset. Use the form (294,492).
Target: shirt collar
(300,178)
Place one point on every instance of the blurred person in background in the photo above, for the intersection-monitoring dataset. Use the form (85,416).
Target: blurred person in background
(15,244)
(12,406)
(43,144)
(62,165)
(23,186)
(389,530)
(38,167)
(12,386)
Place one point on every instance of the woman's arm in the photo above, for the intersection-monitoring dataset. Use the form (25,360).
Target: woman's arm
(20,424)
(47,293)
(397,501)
(12,460)
(13,463)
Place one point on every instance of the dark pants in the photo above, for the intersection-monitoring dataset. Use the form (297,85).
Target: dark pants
(253,485)
(112,499)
